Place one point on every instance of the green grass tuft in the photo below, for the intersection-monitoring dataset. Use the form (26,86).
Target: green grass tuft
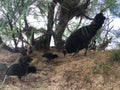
(115,56)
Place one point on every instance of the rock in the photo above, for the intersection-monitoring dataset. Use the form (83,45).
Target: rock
(3,68)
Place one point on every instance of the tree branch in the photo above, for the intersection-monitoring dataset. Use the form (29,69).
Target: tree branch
(79,10)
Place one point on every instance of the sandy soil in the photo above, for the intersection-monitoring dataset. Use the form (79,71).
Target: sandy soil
(92,72)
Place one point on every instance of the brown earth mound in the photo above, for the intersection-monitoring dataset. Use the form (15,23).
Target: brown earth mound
(92,72)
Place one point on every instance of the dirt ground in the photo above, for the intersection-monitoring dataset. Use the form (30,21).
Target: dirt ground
(92,72)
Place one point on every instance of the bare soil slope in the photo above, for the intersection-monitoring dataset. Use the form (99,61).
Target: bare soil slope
(93,72)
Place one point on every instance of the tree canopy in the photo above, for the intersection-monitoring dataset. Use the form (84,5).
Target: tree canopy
(34,22)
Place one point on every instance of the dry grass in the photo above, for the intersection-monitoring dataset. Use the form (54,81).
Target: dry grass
(69,73)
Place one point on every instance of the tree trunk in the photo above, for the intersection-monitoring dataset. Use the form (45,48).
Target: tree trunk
(60,30)
(50,24)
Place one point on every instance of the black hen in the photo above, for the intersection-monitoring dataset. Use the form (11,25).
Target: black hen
(49,56)
(32,69)
(18,70)
(21,68)
(25,60)
(81,38)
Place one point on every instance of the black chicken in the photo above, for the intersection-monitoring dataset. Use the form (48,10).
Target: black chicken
(25,60)
(81,38)
(49,56)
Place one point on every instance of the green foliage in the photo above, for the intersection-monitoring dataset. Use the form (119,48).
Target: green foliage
(114,6)
(43,6)
(12,13)
(72,26)
(115,56)
(101,67)
(17,10)
(111,3)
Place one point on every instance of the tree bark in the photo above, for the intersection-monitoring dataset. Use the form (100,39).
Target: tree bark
(60,30)
(49,31)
